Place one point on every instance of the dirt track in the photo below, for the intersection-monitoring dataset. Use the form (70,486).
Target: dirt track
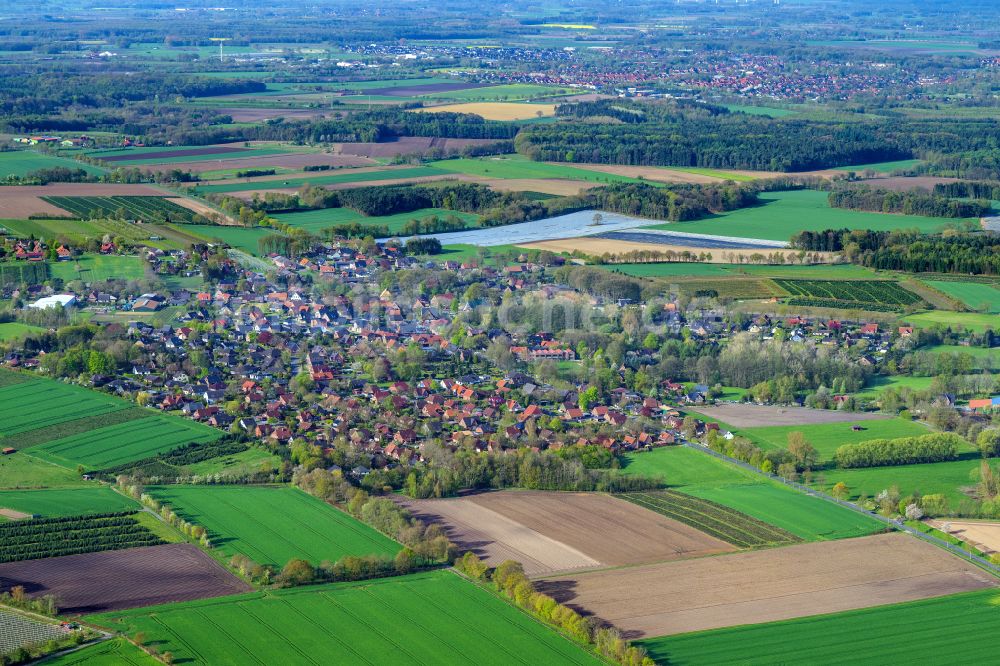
(756,416)
(119,579)
(767,585)
(550,532)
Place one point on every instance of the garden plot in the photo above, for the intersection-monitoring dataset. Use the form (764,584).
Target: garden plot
(766,585)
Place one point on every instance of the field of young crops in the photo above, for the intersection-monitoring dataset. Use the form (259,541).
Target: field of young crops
(515,166)
(114,652)
(345,176)
(975,295)
(54,537)
(427,618)
(715,519)
(22,162)
(956,629)
(125,442)
(66,501)
(272,525)
(41,403)
(143,208)
(844,293)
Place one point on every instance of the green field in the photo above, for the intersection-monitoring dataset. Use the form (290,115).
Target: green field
(699,474)
(955,629)
(826,437)
(98,267)
(13,329)
(504,93)
(117,444)
(945,478)
(694,269)
(431,618)
(982,355)
(516,166)
(22,162)
(20,470)
(783,214)
(237,464)
(882,167)
(67,502)
(895,381)
(77,231)
(975,295)
(146,209)
(239,237)
(316,220)
(344,176)
(146,156)
(114,652)
(713,173)
(40,403)
(972,321)
(272,525)
(769,111)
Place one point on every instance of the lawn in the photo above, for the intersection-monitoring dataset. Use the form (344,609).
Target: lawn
(114,652)
(125,442)
(272,525)
(22,162)
(344,176)
(826,437)
(881,167)
(241,238)
(13,329)
(146,156)
(697,473)
(66,502)
(316,220)
(98,267)
(972,321)
(430,618)
(946,478)
(783,214)
(975,295)
(954,629)
(516,167)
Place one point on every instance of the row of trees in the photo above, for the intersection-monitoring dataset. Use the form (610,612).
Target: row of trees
(935,447)
(913,202)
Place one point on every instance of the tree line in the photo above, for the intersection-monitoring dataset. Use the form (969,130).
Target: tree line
(935,447)
(913,202)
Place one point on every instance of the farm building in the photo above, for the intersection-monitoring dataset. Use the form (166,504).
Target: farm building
(65,300)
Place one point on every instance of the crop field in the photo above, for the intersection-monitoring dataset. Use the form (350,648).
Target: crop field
(66,502)
(700,475)
(503,93)
(845,293)
(433,617)
(972,321)
(975,295)
(828,436)
(878,384)
(21,471)
(40,538)
(116,444)
(496,110)
(767,585)
(272,525)
(550,532)
(316,220)
(882,167)
(952,629)
(22,162)
(98,267)
(319,180)
(142,208)
(757,416)
(241,238)
(17,631)
(518,167)
(168,154)
(120,579)
(78,231)
(114,652)
(717,520)
(784,214)
(769,111)
(40,403)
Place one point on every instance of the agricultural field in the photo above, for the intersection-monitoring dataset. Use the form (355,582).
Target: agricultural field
(78,231)
(517,167)
(22,162)
(785,583)
(770,111)
(99,267)
(116,444)
(272,525)
(41,538)
(320,179)
(866,294)
(972,321)
(975,295)
(955,629)
(241,238)
(41,403)
(756,416)
(21,471)
(550,532)
(120,579)
(434,617)
(15,274)
(878,384)
(714,519)
(176,154)
(13,330)
(698,474)
(956,480)
(784,214)
(496,110)
(828,436)
(140,208)
(882,167)
(317,220)
(504,93)
(18,630)
(113,652)
(66,502)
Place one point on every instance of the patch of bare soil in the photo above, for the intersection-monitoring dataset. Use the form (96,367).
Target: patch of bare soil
(755,416)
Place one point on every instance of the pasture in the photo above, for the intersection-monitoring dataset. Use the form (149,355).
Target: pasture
(881,167)
(272,525)
(12,330)
(434,617)
(827,437)
(952,629)
(879,383)
(982,355)
(972,321)
(496,110)
(98,267)
(517,167)
(783,214)
(20,163)
(66,502)
(974,295)
(19,470)
(317,220)
(124,442)
(767,585)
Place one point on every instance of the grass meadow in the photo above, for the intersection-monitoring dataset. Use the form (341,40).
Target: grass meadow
(97,267)
(518,167)
(66,502)
(972,321)
(826,437)
(975,295)
(317,220)
(22,162)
